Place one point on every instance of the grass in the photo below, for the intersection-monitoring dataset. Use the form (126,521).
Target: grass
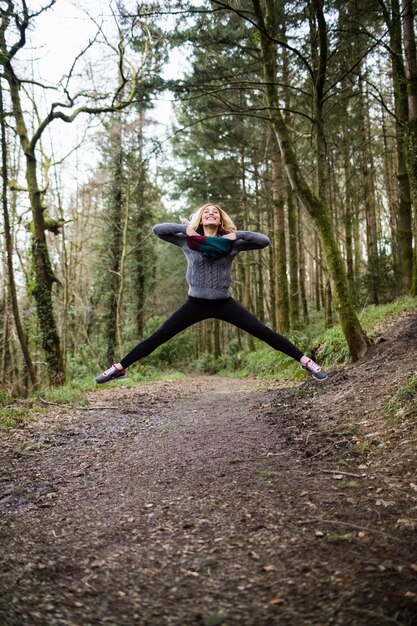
(10,416)
(214,619)
(268,474)
(403,404)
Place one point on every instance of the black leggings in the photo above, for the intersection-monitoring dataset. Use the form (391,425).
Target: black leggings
(198,309)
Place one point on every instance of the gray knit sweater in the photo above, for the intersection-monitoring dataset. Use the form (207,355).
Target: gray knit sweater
(207,278)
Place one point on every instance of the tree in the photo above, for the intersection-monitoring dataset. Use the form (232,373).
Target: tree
(9,248)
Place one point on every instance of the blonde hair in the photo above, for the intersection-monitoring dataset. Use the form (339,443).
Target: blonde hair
(226,222)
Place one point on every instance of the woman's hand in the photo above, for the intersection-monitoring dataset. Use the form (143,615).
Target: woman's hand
(190,232)
(231,236)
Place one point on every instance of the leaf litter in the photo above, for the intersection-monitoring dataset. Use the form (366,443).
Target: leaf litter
(217,501)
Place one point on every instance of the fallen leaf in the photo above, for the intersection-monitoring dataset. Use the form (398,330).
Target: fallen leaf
(404,523)
(411,595)
(277,600)
(269,568)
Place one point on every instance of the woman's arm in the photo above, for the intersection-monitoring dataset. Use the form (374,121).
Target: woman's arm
(174,233)
(247,240)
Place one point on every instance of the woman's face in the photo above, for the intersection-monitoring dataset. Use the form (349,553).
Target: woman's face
(211,215)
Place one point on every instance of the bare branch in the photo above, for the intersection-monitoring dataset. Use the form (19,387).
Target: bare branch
(83,51)
(42,9)
(21,26)
(27,81)
(92,110)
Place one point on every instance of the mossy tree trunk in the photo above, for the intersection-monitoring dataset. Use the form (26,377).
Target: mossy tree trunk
(316,207)
(9,250)
(114,240)
(43,277)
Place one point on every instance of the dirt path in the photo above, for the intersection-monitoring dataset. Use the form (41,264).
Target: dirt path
(216,501)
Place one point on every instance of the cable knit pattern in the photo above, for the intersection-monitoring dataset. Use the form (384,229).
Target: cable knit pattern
(207,278)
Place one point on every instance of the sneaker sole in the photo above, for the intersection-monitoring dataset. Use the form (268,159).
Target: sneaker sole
(108,380)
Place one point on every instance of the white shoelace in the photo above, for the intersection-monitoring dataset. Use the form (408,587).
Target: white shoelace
(312,365)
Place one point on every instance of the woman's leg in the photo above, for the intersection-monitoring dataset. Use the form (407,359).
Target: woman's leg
(192,311)
(234,313)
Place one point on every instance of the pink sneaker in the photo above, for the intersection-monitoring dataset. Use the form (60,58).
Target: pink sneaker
(315,370)
(110,374)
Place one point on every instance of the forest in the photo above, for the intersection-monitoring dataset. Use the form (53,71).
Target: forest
(217,484)
(298,117)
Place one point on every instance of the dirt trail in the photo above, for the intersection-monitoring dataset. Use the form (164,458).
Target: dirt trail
(215,501)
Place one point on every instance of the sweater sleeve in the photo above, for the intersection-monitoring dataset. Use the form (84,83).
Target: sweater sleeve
(246,240)
(174,233)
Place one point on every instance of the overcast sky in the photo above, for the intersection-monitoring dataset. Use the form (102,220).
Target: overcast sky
(56,39)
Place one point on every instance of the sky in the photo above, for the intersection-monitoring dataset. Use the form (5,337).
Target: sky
(56,39)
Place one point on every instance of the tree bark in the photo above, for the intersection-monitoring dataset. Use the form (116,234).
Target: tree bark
(369,201)
(411,70)
(43,276)
(293,262)
(404,229)
(282,299)
(9,250)
(301,264)
(114,251)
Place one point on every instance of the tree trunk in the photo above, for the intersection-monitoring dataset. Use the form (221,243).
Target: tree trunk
(348,212)
(43,276)
(317,208)
(411,67)
(272,276)
(392,196)
(369,201)
(301,264)
(9,250)
(404,229)
(139,227)
(293,261)
(244,262)
(282,299)
(114,220)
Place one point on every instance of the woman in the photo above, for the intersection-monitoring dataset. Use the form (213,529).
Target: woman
(210,242)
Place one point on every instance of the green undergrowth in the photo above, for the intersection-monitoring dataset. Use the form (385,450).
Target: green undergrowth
(328,346)
(403,404)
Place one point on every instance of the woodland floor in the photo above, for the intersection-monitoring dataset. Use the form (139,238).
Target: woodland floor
(215,501)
